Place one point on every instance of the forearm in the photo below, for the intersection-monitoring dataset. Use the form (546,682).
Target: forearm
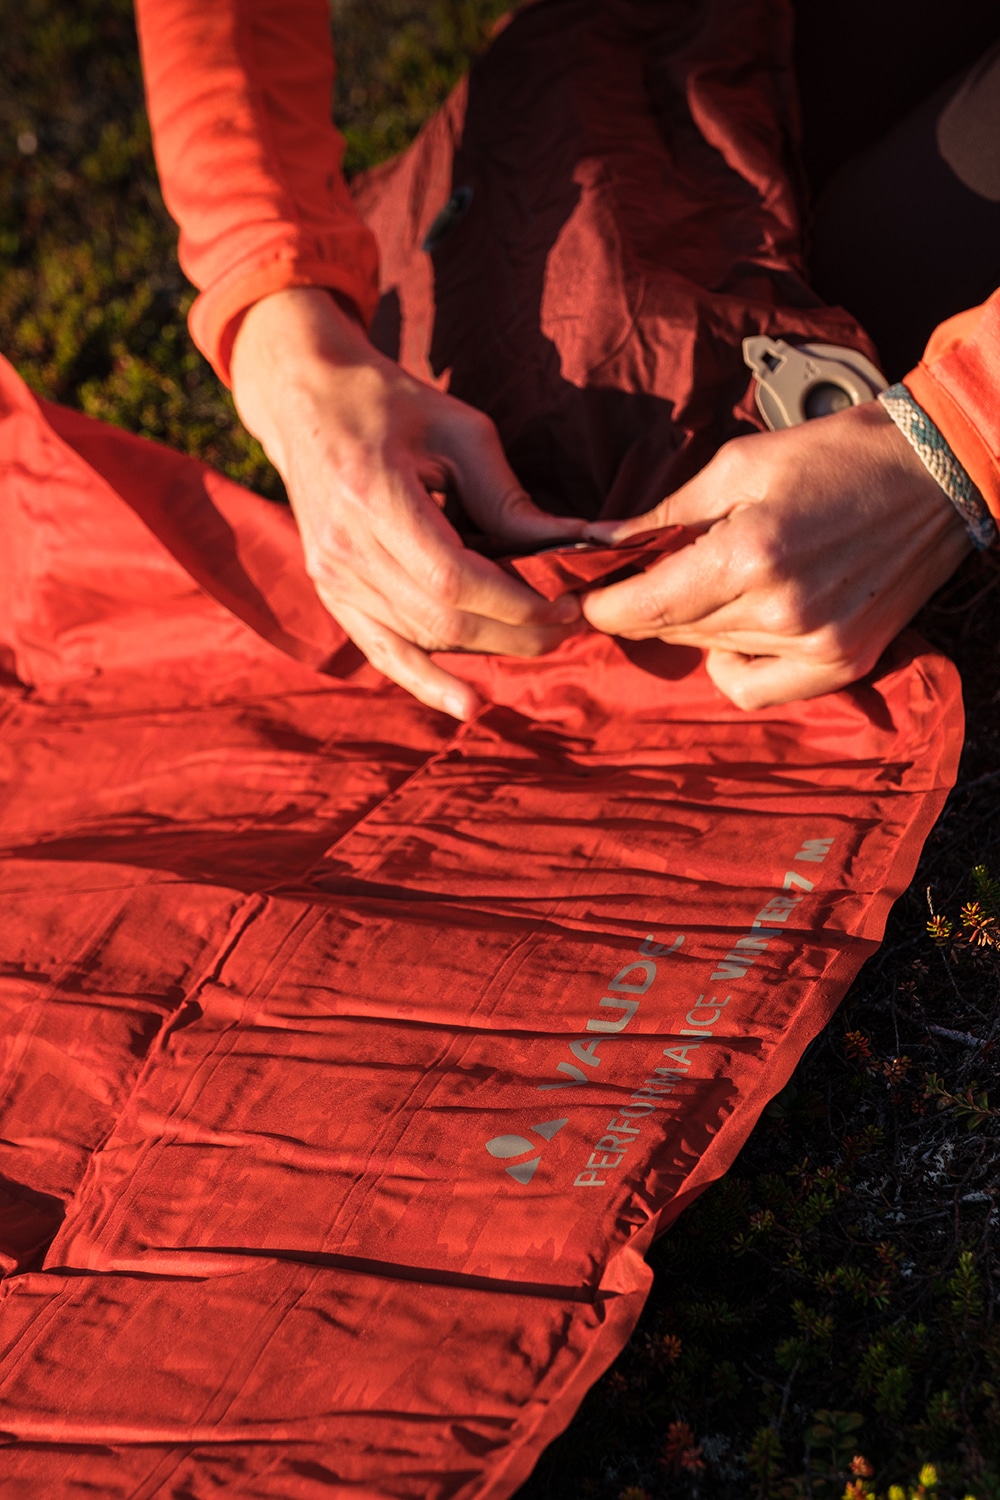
(239,96)
(297,354)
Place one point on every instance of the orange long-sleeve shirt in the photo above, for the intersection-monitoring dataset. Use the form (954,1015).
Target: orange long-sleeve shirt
(239,95)
(239,101)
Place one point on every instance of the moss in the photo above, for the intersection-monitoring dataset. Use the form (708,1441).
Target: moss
(397,61)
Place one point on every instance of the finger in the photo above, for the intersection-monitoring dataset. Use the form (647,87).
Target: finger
(765,681)
(405,555)
(414,613)
(418,543)
(723,631)
(610,533)
(680,589)
(409,667)
(708,497)
(491,493)
(409,612)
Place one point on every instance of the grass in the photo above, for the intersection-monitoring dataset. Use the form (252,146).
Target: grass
(826,1316)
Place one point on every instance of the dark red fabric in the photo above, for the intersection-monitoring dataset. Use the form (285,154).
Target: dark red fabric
(238,95)
(352,1058)
(628,171)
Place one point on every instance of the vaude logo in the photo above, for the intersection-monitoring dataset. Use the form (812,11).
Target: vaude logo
(507,1146)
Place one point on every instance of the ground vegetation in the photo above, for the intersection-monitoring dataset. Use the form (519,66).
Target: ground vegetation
(824,1321)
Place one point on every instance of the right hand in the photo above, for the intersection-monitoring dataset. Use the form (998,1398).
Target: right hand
(360,445)
(815,546)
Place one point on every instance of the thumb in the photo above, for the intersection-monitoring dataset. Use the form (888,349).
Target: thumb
(609,533)
(497,502)
(713,493)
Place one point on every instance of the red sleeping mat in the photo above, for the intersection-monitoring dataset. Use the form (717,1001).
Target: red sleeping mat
(352,1058)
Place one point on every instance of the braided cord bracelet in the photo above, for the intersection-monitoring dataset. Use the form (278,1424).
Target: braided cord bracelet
(934,452)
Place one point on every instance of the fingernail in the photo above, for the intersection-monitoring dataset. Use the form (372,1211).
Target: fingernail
(567,609)
(457,706)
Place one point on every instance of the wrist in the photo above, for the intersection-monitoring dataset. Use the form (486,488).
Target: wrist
(296,324)
(288,346)
(932,450)
(875,447)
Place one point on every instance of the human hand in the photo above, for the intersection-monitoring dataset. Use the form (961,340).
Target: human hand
(817,545)
(360,445)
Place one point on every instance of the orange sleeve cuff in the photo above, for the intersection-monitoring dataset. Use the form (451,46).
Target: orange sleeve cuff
(216,315)
(958,385)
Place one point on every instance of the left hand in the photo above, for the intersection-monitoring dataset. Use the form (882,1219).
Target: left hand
(362,446)
(817,545)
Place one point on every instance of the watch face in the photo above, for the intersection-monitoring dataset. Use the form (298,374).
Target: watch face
(797,383)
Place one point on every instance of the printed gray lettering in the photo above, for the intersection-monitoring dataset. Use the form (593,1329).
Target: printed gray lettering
(620,983)
(814,850)
(605,1161)
(680,1054)
(777,910)
(586,1052)
(575,1077)
(729,970)
(649,949)
(628,1006)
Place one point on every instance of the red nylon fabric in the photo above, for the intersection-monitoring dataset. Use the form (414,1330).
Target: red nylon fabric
(573,569)
(353,1058)
(285,952)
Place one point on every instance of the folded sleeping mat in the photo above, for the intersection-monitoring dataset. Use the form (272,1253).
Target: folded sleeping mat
(352,1058)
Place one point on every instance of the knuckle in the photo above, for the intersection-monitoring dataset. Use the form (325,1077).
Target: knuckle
(785,612)
(444,581)
(837,645)
(761,555)
(327,546)
(442,630)
(325,572)
(330,583)
(820,647)
(479,426)
(731,457)
(647,610)
(321,568)
(316,571)
(380,654)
